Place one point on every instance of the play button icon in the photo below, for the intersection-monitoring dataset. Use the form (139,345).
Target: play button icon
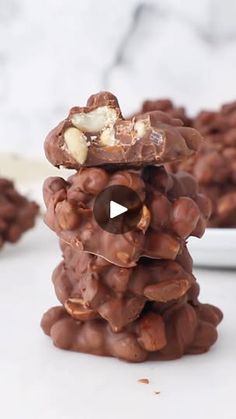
(117,209)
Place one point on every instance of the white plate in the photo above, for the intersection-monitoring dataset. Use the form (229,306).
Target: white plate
(217,248)
(39,381)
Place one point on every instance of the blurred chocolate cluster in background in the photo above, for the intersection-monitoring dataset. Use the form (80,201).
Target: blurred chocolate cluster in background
(214,166)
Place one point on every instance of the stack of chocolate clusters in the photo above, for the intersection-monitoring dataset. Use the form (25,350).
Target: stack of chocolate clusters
(128,293)
(17,214)
(214,166)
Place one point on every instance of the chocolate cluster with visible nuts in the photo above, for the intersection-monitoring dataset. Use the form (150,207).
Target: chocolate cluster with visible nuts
(172,211)
(132,295)
(17,213)
(98,135)
(91,287)
(180,329)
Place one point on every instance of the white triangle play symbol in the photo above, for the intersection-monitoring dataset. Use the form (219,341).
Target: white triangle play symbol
(116,209)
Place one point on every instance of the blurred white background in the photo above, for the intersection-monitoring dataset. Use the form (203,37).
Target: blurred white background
(55,53)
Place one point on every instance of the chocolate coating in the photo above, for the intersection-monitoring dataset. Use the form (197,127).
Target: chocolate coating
(101,136)
(17,214)
(180,329)
(174,210)
(91,287)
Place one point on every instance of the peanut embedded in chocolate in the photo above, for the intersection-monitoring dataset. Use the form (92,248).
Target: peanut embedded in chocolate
(98,135)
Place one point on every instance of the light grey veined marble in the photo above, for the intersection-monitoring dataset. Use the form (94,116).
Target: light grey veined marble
(55,53)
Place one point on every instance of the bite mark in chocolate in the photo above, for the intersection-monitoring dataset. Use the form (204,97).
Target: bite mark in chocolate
(17,213)
(98,135)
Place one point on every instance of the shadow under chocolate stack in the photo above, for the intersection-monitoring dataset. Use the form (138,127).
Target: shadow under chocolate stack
(132,295)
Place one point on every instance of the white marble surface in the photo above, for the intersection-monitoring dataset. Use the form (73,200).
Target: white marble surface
(39,381)
(54,53)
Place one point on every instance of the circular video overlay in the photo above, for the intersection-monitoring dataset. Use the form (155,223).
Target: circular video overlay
(117,209)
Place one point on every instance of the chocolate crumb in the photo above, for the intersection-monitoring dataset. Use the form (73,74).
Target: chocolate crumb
(143,381)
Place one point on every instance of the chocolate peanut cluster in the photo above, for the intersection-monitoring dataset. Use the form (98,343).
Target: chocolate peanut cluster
(91,287)
(98,135)
(172,211)
(17,214)
(180,329)
(130,295)
(214,166)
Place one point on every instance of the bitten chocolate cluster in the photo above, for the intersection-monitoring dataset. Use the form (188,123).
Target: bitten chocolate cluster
(17,214)
(214,166)
(131,295)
